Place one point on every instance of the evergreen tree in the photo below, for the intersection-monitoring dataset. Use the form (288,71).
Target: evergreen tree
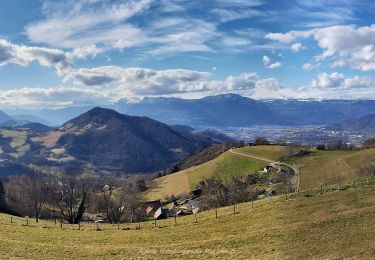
(2,196)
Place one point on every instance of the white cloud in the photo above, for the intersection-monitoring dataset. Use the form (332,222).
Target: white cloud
(325,80)
(266,60)
(141,81)
(244,81)
(23,55)
(269,65)
(290,36)
(309,66)
(338,81)
(52,97)
(105,85)
(348,45)
(86,51)
(296,47)
(73,24)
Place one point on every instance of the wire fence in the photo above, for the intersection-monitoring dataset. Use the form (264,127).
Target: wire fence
(193,219)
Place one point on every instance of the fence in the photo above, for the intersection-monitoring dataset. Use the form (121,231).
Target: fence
(210,215)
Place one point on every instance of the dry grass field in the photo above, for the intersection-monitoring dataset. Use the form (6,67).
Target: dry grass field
(186,180)
(332,225)
(328,167)
(316,169)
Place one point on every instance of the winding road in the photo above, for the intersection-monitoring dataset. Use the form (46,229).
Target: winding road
(295,179)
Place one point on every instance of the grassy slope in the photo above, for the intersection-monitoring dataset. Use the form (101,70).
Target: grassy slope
(331,225)
(321,167)
(325,167)
(18,141)
(186,180)
(271,152)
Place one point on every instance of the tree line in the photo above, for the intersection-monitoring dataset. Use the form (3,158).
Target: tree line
(72,197)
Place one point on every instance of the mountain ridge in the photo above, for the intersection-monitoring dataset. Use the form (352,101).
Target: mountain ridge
(113,141)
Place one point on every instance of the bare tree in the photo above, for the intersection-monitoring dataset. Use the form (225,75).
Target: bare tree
(34,189)
(112,203)
(220,192)
(131,198)
(121,201)
(261,141)
(69,196)
(27,194)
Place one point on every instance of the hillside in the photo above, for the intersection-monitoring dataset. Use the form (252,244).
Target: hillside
(4,117)
(14,143)
(230,164)
(366,122)
(304,227)
(327,167)
(315,169)
(117,142)
(22,124)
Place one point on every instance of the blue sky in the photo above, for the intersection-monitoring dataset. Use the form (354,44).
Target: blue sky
(64,53)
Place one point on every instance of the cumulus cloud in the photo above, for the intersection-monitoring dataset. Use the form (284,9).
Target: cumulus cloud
(24,55)
(105,85)
(141,81)
(325,80)
(337,80)
(348,45)
(269,65)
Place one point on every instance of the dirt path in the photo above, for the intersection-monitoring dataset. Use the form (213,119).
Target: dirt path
(296,178)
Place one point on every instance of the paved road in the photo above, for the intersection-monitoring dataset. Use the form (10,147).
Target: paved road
(295,180)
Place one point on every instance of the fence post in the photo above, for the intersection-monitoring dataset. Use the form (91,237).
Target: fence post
(215,213)
(61,224)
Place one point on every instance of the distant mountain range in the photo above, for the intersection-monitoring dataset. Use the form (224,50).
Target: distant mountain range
(22,124)
(357,124)
(227,110)
(4,117)
(106,140)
